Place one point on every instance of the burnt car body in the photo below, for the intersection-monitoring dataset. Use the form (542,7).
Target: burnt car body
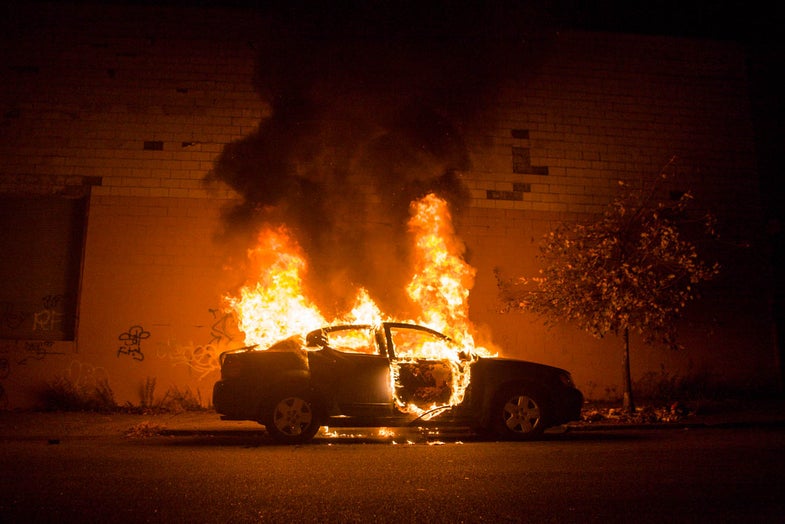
(371,376)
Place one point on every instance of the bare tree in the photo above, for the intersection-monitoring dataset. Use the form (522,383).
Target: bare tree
(630,269)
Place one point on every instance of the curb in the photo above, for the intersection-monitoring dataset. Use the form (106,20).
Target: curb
(772,424)
(63,426)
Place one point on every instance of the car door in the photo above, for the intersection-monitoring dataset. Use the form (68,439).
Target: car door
(424,376)
(351,367)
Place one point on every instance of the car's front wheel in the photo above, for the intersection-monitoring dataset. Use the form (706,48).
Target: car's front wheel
(292,419)
(518,413)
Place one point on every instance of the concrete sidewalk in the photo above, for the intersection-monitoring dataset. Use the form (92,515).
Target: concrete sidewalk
(61,424)
(54,426)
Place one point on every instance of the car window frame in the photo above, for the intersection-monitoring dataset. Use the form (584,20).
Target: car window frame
(388,332)
(372,335)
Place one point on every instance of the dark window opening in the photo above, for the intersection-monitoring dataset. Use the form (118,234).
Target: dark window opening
(40,266)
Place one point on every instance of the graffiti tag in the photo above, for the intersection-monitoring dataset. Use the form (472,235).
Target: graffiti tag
(38,350)
(203,359)
(220,328)
(132,342)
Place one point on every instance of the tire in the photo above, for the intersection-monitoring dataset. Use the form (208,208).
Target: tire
(518,413)
(292,419)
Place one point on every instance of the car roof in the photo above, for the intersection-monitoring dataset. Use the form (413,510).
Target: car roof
(411,325)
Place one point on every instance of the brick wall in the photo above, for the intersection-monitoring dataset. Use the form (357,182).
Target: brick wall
(603,108)
(137,104)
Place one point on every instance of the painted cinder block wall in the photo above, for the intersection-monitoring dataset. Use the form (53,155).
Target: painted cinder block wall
(134,105)
(603,108)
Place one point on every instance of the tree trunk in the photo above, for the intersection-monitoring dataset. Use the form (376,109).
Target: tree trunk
(629,402)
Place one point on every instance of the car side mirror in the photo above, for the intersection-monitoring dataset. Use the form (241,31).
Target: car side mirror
(316,339)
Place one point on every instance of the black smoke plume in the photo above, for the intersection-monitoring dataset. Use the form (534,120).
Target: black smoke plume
(367,112)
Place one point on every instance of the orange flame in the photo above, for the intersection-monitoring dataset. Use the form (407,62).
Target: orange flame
(442,279)
(365,310)
(273,306)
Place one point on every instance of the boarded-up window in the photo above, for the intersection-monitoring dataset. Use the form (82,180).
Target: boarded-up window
(40,266)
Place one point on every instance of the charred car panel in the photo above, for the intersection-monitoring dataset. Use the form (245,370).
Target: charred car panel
(361,375)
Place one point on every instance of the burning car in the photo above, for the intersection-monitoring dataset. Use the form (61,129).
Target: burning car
(393,374)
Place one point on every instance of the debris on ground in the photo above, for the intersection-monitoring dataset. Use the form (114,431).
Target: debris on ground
(674,412)
(144,429)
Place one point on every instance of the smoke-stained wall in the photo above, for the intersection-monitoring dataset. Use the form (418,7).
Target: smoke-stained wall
(184,129)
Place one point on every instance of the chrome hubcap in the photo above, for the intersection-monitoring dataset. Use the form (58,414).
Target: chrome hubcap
(292,416)
(521,414)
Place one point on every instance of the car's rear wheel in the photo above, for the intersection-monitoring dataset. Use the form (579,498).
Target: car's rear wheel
(292,419)
(518,413)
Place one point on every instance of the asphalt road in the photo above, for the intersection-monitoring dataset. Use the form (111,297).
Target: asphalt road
(685,475)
